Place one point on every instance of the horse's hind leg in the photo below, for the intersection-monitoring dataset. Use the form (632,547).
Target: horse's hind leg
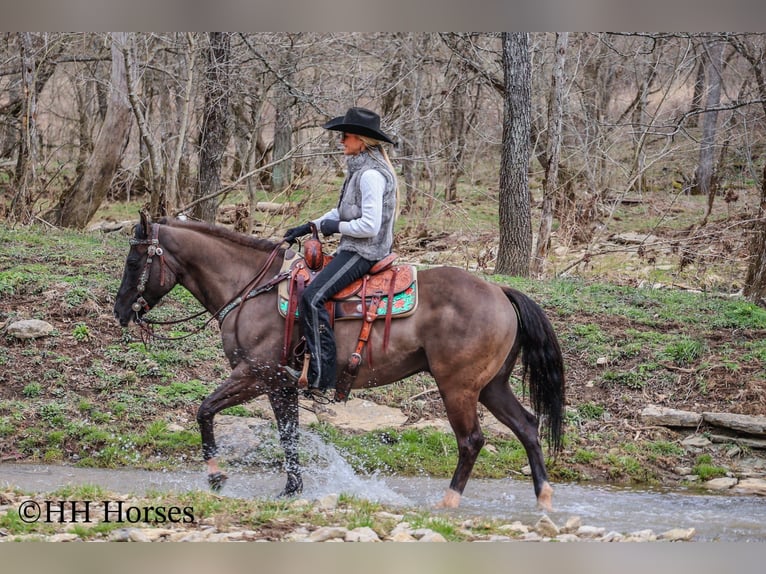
(233,391)
(462,415)
(284,403)
(503,404)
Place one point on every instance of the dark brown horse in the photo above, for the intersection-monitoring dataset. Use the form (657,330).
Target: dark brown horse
(467,333)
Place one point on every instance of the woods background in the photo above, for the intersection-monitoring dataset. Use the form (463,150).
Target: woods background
(558,129)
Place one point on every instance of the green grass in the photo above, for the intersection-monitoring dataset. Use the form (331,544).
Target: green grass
(421,452)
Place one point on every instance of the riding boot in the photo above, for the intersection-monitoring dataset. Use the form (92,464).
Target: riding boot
(327,380)
(322,365)
(315,319)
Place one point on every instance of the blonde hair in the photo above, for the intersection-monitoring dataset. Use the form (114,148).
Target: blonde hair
(378,144)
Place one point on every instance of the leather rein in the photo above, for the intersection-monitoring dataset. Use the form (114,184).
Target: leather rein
(155,250)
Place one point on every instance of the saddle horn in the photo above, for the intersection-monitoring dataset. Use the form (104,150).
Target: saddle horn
(312,250)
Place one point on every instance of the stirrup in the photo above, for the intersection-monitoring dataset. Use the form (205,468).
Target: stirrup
(293,374)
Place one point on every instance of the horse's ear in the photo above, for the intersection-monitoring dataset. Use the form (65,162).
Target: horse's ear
(144,223)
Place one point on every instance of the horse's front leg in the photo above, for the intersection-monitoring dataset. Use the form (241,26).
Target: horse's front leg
(237,389)
(284,403)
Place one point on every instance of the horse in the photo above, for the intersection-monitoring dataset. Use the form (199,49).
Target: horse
(466,332)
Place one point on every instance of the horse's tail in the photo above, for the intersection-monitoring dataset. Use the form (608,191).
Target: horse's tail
(543,364)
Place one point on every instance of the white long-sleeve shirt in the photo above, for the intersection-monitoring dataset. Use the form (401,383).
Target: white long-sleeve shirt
(373,185)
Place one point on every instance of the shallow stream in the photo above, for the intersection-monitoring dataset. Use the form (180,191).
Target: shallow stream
(714,516)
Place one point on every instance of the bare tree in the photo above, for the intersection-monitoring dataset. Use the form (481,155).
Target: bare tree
(214,134)
(80,202)
(704,177)
(515,218)
(550,183)
(754,52)
(282,173)
(26,163)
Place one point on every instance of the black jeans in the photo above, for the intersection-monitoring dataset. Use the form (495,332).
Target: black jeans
(344,268)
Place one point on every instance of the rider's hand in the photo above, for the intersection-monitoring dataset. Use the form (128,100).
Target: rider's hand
(329,226)
(295,232)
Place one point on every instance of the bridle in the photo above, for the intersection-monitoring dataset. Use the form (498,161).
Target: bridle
(155,250)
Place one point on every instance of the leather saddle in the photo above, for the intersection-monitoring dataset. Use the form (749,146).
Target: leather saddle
(388,291)
(386,280)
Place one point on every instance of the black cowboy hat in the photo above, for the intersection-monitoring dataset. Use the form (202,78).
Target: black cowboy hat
(359,121)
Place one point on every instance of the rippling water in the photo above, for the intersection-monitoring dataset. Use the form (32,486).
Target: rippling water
(714,516)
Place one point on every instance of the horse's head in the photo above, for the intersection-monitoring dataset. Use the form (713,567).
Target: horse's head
(146,277)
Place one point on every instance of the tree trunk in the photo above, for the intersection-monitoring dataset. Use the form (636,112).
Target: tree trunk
(704,183)
(214,134)
(173,195)
(26,164)
(149,149)
(282,172)
(456,138)
(81,201)
(755,282)
(515,219)
(550,183)
(699,89)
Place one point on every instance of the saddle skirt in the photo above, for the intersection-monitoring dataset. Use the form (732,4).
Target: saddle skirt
(397,281)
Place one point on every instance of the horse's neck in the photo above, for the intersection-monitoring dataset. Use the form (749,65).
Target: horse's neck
(214,269)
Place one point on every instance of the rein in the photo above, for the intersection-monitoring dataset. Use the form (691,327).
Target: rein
(153,250)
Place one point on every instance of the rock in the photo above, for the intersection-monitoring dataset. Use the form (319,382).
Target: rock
(654,415)
(361,415)
(402,536)
(612,536)
(111,226)
(325,533)
(747,424)
(567,538)
(154,534)
(29,329)
(758,443)
(590,531)
(683,470)
(432,536)
(328,502)
(514,528)
(696,441)
(546,527)
(362,534)
(138,535)
(723,483)
(572,524)
(120,535)
(678,534)
(531,537)
(64,537)
(641,536)
(752,486)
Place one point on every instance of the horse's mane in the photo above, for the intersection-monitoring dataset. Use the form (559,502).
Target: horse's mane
(221,232)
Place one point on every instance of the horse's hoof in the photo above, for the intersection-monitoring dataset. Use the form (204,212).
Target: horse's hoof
(216,481)
(545,499)
(451,499)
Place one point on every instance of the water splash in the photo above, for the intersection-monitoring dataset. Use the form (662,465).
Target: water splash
(249,447)
(330,473)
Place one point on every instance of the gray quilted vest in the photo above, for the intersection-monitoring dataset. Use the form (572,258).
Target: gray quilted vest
(350,206)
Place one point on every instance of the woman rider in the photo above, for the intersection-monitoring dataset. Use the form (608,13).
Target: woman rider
(364,217)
